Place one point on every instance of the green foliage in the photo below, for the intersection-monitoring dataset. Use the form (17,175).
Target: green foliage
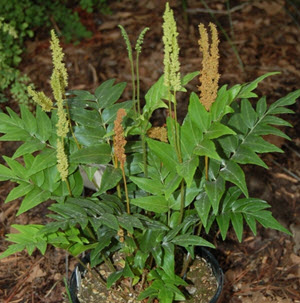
(19,20)
(157,203)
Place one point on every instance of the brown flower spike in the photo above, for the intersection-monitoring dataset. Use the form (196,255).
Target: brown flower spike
(119,140)
(209,76)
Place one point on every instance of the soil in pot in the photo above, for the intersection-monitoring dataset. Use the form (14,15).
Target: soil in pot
(202,289)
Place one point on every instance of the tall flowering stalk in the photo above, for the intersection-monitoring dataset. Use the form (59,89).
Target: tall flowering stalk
(59,82)
(119,148)
(171,49)
(172,80)
(209,75)
(172,67)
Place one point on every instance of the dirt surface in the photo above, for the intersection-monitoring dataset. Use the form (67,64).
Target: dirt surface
(266,35)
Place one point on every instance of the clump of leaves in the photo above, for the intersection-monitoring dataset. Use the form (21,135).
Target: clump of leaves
(160,190)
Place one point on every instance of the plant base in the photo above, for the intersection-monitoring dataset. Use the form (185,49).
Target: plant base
(204,276)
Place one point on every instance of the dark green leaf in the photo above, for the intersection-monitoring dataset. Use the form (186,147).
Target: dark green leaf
(108,94)
(237,223)
(245,155)
(259,145)
(156,204)
(110,178)
(249,115)
(233,173)
(284,101)
(88,135)
(109,114)
(154,187)
(187,240)
(96,154)
(246,91)
(261,106)
(203,206)
(86,117)
(215,190)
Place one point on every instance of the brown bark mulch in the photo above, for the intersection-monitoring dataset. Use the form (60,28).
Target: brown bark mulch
(266,35)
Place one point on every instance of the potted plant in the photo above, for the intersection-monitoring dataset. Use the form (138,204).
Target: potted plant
(158,191)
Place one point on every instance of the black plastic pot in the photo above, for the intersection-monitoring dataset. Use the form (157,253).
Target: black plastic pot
(201,252)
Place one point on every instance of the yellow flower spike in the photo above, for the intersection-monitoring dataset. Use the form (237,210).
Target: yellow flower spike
(62,126)
(57,59)
(171,50)
(62,161)
(209,76)
(41,99)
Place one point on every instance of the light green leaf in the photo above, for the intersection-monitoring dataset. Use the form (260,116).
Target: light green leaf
(30,123)
(207,148)
(19,191)
(43,160)
(33,198)
(199,115)
(187,169)
(217,130)
(96,154)
(165,152)
(29,147)
(44,125)
(171,183)
(17,168)
(156,204)
(189,77)
(154,96)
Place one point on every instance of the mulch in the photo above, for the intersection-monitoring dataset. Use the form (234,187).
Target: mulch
(266,37)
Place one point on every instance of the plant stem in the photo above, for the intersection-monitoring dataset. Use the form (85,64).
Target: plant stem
(206,167)
(181,200)
(138,84)
(144,155)
(126,190)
